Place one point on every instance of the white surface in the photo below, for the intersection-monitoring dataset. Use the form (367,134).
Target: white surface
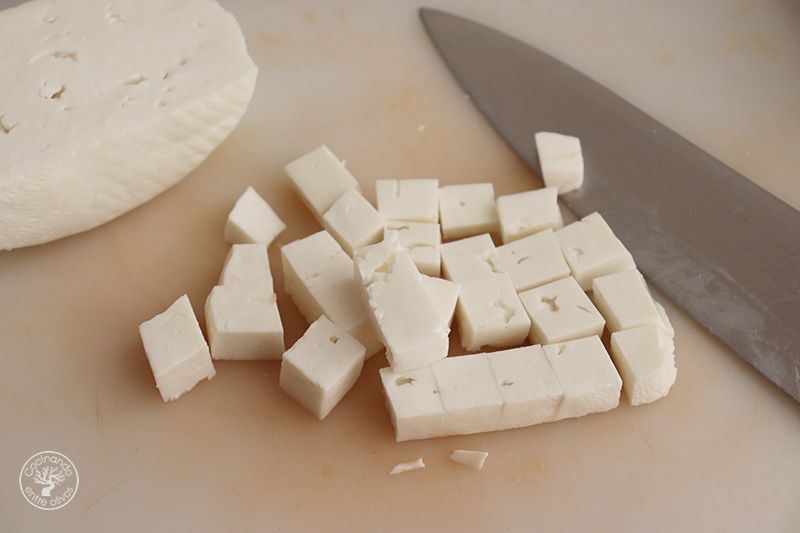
(529,212)
(467,209)
(645,358)
(469,258)
(721,453)
(490,314)
(422,240)
(247,264)
(561,160)
(412,200)
(414,403)
(533,261)
(320,178)
(353,221)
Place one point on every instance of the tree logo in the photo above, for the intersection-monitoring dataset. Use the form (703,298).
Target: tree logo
(48,480)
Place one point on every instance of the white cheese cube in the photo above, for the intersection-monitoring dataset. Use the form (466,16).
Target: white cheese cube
(470,395)
(402,311)
(243,323)
(587,376)
(470,258)
(444,294)
(592,250)
(106,104)
(466,210)
(533,261)
(321,367)
(530,390)
(560,311)
(422,240)
(645,358)
(625,302)
(489,313)
(247,264)
(252,220)
(560,160)
(319,278)
(471,458)
(528,212)
(415,200)
(414,403)
(176,349)
(320,179)
(353,221)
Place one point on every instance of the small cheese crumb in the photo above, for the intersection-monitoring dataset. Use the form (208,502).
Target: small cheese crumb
(405,467)
(471,458)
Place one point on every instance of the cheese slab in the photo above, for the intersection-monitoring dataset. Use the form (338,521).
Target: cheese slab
(107,105)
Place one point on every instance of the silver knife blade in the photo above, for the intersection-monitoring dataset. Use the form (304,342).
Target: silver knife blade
(724,249)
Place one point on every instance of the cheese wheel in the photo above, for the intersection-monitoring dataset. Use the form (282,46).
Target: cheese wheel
(106,104)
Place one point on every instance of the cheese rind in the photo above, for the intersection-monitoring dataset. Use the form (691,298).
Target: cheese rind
(176,349)
(321,367)
(104,116)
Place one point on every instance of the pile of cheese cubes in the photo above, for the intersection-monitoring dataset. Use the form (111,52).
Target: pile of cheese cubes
(531,313)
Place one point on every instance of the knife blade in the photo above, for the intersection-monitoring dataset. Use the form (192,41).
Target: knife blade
(723,248)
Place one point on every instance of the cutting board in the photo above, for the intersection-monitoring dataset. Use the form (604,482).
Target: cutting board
(720,453)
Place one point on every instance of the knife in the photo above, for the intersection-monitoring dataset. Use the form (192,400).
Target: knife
(724,249)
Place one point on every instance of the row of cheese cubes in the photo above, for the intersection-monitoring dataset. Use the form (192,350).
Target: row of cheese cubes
(528,385)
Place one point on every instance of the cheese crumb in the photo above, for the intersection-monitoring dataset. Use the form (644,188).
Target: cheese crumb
(471,458)
(405,467)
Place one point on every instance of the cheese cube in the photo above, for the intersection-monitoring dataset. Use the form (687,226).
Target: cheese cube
(587,376)
(530,390)
(592,250)
(422,240)
(320,179)
(528,212)
(247,264)
(414,403)
(353,221)
(625,302)
(252,220)
(470,258)
(645,358)
(560,160)
(470,395)
(533,261)
(176,349)
(444,294)
(490,314)
(243,323)
(415,200)
(402,311)
(666,324)
(319,278)
(466,210)
(321,367)
(560,311)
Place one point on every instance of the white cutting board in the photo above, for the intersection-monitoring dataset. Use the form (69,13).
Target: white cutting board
(720,453)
